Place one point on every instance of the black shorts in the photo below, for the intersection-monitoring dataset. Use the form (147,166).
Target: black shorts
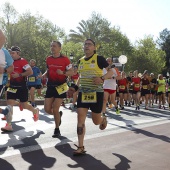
(160,93)
(124,92)
(135,92)
(94,107)
(144,92)
(21,94)
(35,86)
(52,92)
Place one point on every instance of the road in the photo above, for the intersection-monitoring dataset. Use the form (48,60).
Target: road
(137,140)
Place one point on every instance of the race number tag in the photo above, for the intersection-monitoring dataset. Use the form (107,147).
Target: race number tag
(62,88)
(31,79)
(122,87)
(137,85)
(11,90)
(89,97)
(145,86)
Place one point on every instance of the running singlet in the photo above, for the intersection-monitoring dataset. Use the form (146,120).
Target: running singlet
(136,85)
(88,69)
(111,83)
(145,83)
(20,66)
(161,88)
(122,84)
(5,61)
(32,80)
(53,64)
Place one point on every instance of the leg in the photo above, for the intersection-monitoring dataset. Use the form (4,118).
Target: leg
(48,105)
(105,100)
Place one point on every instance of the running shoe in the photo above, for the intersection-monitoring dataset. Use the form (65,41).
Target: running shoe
(3,118)
(164,107)
(117,111)
(20,107)
(56,133)
(160,107)
(7,128)
(103,125)
(36,115)
(110,106)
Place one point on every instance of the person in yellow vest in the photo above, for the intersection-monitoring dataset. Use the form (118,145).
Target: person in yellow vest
(91,93)
(161,90)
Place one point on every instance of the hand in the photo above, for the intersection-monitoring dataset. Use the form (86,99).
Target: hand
(59,72)
(15,75)
(70,92)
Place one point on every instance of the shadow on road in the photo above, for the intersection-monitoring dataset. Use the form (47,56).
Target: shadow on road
(21,141)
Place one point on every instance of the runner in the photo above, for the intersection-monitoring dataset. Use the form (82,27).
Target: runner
(58,69)
(34,82)
(123,86)
(90,91)
(161,91)
(136,82)
(18,88)
(6,67)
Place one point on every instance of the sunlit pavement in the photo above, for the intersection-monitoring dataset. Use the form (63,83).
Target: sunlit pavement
(132,140)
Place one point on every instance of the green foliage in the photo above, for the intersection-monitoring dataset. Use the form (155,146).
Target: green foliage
(33,35)
(164,42)
(147,57)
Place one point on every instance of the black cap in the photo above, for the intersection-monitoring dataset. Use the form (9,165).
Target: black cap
(15,48)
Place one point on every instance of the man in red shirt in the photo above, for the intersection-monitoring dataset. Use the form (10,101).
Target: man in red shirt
(58,69)
(18,88)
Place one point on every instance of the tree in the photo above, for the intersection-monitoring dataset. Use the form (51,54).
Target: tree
(33,34)
(146,56)
(95,28)
(164,42)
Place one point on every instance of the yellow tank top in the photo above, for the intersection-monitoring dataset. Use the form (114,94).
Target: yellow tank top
(161,88)
(88,70)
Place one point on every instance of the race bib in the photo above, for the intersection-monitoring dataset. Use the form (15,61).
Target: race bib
(145,87)
(137,85)
(89,97)
(62,88)
(122,87)
(31,79)
(11,90)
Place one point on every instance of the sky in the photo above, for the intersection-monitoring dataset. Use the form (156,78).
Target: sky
(136,18)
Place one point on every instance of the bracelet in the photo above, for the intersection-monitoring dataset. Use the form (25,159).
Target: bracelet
(113,77)
(20,75)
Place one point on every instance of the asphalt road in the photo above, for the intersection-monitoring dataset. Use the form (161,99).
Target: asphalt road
(137,140)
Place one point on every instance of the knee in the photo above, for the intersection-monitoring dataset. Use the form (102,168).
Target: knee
(80,129)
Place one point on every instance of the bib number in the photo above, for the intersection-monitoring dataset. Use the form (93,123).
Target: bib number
(31,79)
(89,97)
(122,87)
(62,88)
(145,87)
(11,90)
(137,85)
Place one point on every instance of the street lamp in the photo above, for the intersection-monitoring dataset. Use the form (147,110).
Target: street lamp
(71,56)
(122,60)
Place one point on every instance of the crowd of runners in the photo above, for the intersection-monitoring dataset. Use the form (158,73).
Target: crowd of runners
(93,83)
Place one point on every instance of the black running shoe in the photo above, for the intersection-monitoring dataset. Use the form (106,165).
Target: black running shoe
(61,113)
(56,133)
